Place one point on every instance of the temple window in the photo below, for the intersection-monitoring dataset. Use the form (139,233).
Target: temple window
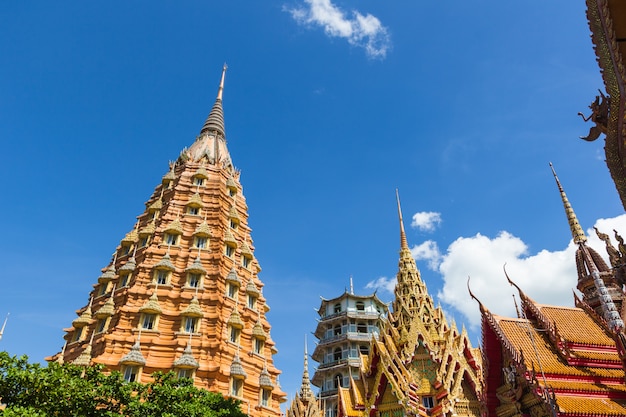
(428,402)
(236,387)
(360,306)
(337,354)
(337,381)
(233,224)
(235,333)
(364,349)
(171,239)
(124,279)
(103,289)
(143,242)
(337,308)
(200,242)
(148,321)
(162,276)
(78,334)
(102,324)
(252,301)
(198,181)
(337,330)
(266,396)
(361,328)
(245,261)
(257,346)
(194,279)
(232,290)
(190,324)
(184,373)
(125,249)
(193,210)
(229,251)
(131,373)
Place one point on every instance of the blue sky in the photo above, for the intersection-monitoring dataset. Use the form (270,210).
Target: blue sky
(329,107)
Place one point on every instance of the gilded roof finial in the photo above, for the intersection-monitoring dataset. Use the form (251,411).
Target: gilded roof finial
(577,230)
(403,242)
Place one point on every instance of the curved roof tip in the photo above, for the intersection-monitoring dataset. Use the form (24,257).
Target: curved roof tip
(480,305)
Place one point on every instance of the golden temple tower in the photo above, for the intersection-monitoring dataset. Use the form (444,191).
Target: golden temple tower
(182,292)
(419,365)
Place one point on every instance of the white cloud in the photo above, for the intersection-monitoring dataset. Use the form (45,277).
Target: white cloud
(364,31)
(426,221)
(383,284)
(547,277)
(427,251)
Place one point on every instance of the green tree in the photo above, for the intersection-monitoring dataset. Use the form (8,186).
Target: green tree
(32,390)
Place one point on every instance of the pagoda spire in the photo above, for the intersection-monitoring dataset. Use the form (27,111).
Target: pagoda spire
(404,245)
(305,389)
(607,306)
(215,120)
(577,231)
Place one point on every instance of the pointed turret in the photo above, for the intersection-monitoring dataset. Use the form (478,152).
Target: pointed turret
(215,120)
(592,270)
(305,389)
(411,295)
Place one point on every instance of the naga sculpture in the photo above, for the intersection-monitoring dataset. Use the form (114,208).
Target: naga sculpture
(599,115)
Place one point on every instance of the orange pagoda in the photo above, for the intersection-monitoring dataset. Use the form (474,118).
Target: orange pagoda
(182,291)
(419,364)
(562,361)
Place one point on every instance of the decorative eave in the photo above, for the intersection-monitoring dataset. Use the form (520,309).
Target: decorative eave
(134,356)
(186,360)
(196,266)
(606,19)
(193,309)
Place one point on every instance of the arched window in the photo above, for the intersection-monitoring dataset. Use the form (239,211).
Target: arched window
(337,354)
(337,380)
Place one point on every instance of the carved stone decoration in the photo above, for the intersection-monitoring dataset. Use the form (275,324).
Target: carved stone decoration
(599,115)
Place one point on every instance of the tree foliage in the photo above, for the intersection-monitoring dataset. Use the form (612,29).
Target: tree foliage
(31,390)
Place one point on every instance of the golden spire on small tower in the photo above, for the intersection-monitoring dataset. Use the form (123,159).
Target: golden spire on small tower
(305,389)
(403,242)
(577,231)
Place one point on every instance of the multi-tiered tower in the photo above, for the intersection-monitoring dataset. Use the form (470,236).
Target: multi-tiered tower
(182,292)
(345,329)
